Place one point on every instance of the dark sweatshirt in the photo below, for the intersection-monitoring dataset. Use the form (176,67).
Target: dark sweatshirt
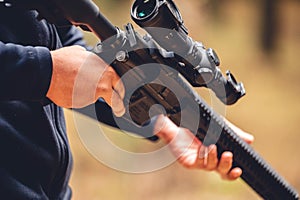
(36,160)
(35,157)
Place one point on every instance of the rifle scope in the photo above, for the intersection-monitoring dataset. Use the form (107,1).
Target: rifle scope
(163,21)
(156,13)
(169,31)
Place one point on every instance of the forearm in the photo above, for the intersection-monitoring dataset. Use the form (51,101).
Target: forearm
(25,72)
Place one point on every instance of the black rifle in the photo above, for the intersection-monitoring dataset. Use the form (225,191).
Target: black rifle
(167,86)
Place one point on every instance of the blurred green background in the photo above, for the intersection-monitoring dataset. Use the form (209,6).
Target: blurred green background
(259,41)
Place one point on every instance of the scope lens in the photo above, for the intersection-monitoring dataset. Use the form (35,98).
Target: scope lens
(144,8)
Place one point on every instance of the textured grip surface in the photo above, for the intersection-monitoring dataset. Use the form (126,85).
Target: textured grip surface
(257,173)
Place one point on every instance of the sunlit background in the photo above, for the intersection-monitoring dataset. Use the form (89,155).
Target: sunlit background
(259,41)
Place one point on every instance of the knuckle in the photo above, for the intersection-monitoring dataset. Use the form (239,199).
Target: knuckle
(210,169)
(74,71)
(110,69)
(202,166)
(110,72)
(103,89)
(222,171)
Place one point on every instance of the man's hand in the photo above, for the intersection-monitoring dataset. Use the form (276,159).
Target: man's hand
(192,154)
(80,77)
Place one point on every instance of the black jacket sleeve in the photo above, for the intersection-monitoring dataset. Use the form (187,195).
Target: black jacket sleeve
(71,35)
(25,72)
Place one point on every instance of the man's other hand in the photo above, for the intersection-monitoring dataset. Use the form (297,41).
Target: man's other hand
(192,154)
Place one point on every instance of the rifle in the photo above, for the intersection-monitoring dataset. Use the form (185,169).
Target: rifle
(166,64)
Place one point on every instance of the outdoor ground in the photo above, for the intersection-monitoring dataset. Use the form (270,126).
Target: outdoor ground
(270,110)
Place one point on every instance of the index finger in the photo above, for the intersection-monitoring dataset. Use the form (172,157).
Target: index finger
(117,83)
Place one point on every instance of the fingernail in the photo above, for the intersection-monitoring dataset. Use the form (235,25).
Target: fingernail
(203,152)
(212,147)
(227,154)
(251,138)
(119,113)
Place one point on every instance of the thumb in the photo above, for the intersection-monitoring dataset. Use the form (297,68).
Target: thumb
(249,138)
